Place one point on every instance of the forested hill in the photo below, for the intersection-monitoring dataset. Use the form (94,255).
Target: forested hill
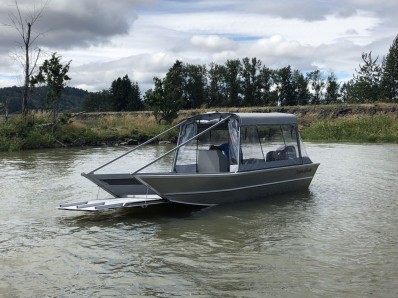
(71,99)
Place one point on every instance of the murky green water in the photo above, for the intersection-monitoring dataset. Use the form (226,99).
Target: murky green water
(339,239)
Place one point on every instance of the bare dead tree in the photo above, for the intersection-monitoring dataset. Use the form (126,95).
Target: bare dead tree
(24,24)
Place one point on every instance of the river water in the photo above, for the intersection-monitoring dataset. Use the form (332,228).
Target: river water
(339,239)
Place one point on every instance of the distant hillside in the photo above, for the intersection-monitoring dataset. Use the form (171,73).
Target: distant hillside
(71,99)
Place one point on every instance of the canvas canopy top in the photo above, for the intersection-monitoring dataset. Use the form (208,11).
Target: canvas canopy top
(247,119)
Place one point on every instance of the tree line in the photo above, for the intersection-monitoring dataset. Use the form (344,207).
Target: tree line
(247,82)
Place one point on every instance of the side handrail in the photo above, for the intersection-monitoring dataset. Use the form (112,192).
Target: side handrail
(137,147)
(182,144)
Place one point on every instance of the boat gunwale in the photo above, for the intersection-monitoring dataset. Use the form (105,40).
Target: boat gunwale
(137,175)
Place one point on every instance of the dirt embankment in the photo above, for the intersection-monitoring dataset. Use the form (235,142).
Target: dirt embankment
(324,112)
(306,114)
(310,113)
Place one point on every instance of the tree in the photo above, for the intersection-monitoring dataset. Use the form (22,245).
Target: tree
(300,88)
(332,89)
(54,75)
(98,101)
(135,102)
(390,73)
(251,84)
(194,88)
(30,55)
(125,95)
(233,82)
(166,98)
(345,89)
(284,81)
(367,80)
(317,83)
(217,86)
(266,97)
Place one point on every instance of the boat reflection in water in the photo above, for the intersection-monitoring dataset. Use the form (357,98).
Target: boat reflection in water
(219,158)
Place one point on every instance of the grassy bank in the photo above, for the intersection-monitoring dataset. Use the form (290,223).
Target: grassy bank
(35,131)
(360,123)
(362,129)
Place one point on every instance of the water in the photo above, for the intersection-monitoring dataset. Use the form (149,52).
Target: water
(339,239)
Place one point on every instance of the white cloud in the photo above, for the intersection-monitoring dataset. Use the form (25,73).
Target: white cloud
(212,43)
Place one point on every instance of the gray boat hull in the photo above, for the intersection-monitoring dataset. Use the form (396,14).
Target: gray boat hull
(221,188)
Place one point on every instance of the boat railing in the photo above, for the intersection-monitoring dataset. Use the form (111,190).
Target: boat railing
(137,147)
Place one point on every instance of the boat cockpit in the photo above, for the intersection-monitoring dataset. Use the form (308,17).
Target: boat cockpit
(242,145)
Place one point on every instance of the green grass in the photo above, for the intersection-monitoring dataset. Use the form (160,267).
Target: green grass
(364,129)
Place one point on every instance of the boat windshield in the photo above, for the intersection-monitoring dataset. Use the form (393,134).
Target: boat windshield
(271,146)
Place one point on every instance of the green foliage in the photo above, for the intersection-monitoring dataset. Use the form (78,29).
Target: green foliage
(366,83)
(216,87)
(265,82)
(390,73)
(166,98)
(97,101)
(125,95)
(317,82)
(284,81)
(300,88)
(54,75)
(332,89)
(194,86)
(233,82)
(30,132)
(251,84)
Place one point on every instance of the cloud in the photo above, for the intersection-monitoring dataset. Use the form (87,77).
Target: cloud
(212,43)
(106,40)
(140,68)
(351,32)
(66,24)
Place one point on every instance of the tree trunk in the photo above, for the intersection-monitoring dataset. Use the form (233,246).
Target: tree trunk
(26,92)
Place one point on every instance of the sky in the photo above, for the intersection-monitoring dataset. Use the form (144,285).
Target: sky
(143,38)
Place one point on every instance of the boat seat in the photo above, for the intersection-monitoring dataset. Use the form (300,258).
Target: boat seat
(289,152)
(212,161)
(271,156)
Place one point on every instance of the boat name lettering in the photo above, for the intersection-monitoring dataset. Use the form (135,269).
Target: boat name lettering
(303,171)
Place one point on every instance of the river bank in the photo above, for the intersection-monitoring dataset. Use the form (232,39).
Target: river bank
(325,123)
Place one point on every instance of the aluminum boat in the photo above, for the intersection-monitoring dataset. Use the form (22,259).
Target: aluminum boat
(220,157)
